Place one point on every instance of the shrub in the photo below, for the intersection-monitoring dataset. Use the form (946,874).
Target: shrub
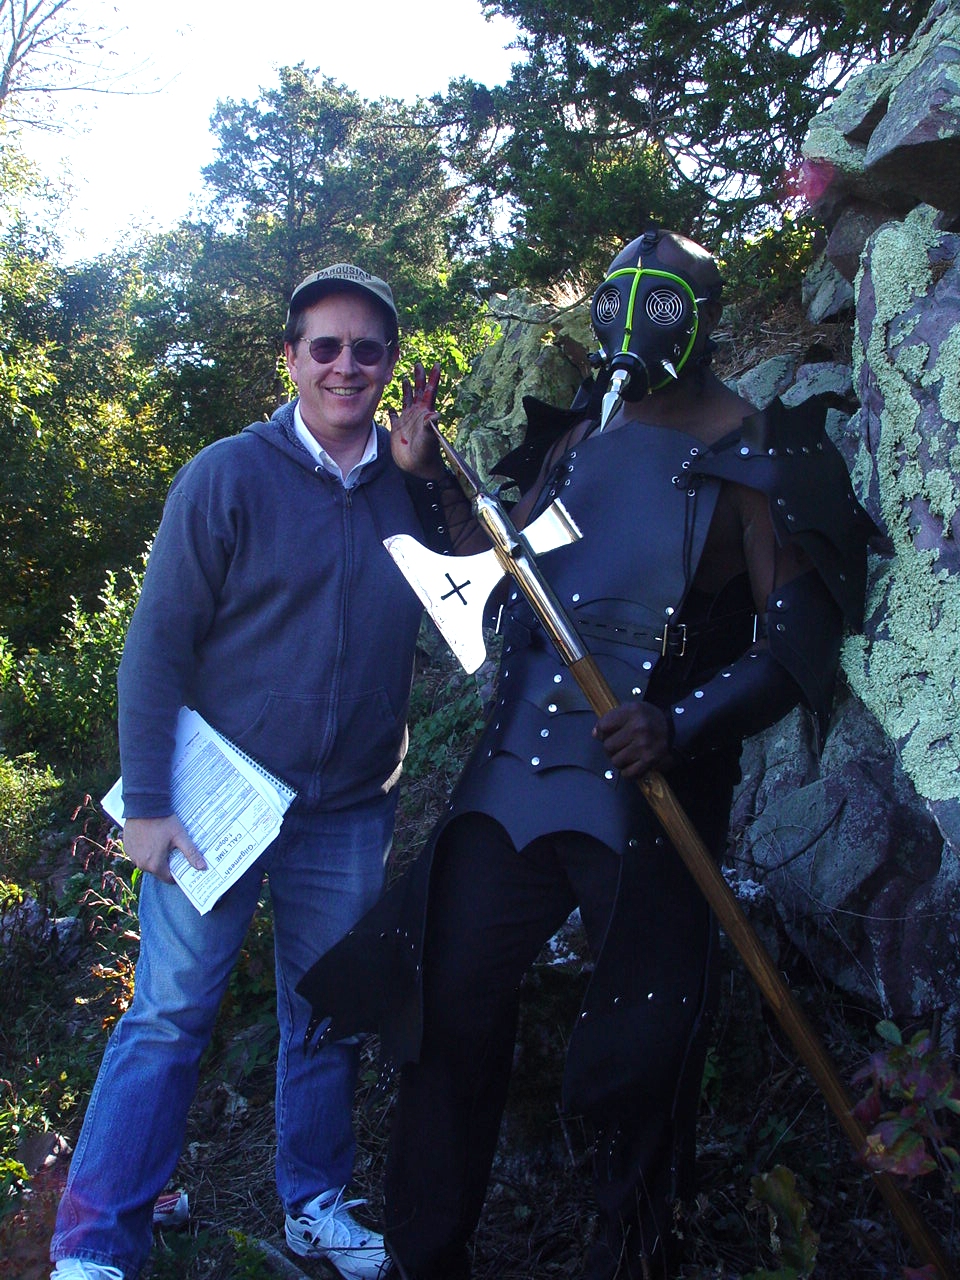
(27,793)
(63,704)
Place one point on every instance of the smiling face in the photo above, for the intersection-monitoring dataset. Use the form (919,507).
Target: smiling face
(338,400)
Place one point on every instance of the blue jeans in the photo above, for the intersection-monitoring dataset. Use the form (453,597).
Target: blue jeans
(324,871)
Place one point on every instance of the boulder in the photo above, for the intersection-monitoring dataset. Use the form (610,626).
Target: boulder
(891,138)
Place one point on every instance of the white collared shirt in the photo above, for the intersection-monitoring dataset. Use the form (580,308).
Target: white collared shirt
(329,464)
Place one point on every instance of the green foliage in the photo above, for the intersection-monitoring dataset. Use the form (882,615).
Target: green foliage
(762,270)
(791,1237)
(687,113)
(28,790)
(455,347)
(63,702)
(912,1110)
(441,720)
(85,471)
(13,1179)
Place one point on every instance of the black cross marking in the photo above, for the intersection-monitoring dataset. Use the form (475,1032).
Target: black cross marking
(457,591)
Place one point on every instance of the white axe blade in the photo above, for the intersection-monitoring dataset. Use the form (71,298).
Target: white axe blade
(454,589)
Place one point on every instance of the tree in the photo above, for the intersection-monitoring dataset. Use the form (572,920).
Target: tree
(46,50)
(85,468)
(686,111)
(306,174)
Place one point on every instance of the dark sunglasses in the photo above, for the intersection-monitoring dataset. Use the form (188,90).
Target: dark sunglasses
(366,351)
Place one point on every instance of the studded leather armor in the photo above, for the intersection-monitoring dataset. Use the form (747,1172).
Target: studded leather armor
(643,498)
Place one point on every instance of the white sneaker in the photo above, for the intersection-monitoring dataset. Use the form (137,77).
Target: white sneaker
(81,1269)
(325,1228)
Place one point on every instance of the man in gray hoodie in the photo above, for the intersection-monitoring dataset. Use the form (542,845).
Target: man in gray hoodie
(271,607)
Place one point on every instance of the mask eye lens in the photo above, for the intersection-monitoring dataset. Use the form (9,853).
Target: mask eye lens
(664,307)
(607,305)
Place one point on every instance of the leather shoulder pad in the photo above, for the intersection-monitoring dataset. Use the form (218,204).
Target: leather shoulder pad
(545,425)
(787,455)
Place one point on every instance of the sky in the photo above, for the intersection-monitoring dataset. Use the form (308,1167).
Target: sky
(135,159)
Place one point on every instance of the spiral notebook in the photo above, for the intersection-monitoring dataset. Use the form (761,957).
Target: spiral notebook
(229,803)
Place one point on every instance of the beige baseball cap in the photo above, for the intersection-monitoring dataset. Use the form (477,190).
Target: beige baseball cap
(329,279)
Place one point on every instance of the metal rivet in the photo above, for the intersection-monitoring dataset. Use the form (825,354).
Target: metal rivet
(609,775)
(669,611)
(636,692)
(552,708)
(698,693)
(544,733)
(744,451)
(557,679)
(535,760)
(647,665)
(678,711)
(575,597)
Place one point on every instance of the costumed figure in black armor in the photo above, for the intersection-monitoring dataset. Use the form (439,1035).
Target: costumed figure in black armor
(723,552)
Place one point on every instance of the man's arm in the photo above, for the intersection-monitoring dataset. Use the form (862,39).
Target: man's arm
(176,605)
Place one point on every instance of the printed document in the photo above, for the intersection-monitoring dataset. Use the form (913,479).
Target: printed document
(231,806)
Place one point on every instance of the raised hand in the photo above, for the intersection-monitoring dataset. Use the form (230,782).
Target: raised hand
(412,441)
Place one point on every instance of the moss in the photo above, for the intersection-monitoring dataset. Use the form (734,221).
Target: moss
(942,495)
(948,368)
(912,361)
(907,673)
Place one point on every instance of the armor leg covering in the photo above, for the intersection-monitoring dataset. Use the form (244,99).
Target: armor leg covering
(490,911)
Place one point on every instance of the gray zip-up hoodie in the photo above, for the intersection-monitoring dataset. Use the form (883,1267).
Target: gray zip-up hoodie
(271,606)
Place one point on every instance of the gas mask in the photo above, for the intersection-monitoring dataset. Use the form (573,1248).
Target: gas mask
(646,320)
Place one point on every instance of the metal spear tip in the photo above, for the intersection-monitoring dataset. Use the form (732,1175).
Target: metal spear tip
(668,368)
